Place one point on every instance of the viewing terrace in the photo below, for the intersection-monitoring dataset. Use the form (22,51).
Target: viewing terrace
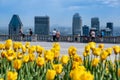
(48,38)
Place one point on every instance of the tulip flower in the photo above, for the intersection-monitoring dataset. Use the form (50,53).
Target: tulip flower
(12,75)
(96,51)
(65,59)
(40,61)
(49,55)
(95,62)
(25,58)
(58,68)
(116,49)
(50,75)
(101,46)
(72,51)
(8,44)
(104,55)
(17,64)
(27,44)
(87,48)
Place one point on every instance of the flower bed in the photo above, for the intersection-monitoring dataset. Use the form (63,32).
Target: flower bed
(32,62)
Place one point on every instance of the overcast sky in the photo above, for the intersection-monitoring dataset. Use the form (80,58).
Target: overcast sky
(60,11)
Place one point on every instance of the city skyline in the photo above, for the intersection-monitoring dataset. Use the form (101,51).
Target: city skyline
(60,11)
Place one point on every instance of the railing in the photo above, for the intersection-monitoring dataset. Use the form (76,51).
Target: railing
(62,38)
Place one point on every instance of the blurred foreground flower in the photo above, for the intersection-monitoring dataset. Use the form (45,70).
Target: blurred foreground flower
(50,75)
(12,75)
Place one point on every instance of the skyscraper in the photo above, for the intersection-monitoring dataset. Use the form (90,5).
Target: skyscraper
(85,30)
(76,24)
(42,25)
(95,24)
(110,26)
(15,25)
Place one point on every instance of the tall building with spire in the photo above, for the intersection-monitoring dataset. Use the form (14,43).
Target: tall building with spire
(76,24)
(15,25)
(95,24)
(42,25)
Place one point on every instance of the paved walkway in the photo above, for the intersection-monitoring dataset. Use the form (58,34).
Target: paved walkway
(66,45)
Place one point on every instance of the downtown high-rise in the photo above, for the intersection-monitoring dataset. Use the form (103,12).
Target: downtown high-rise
(76,24)
(15,25)
(95,25)
(42,24)
(110,26)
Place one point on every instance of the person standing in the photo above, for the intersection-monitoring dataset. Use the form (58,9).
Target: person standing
(30,34)
(57,35)
(21,34)
(54,35)
(92,33)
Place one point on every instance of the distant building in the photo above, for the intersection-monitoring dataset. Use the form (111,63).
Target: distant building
(15,25)
(95,23)
(110,26)
(106,31)
(85,30)
(42,25)
(76,24)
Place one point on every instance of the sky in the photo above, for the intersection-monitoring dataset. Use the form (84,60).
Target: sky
(60,11)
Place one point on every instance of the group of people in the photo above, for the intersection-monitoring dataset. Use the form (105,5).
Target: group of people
(56,35)
(22,35)
(92,36)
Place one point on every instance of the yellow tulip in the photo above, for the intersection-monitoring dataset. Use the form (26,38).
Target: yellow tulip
(78,59)
(10,55)
(25,58)
(17,64)
(72,51)
(15,46)
(87,48)
(19,45)
(64,59)
(86,54)
(86,76)
(27,44)
(104,55)
(24,49)
(2,46)
(12,75)
(75,65)
(109,50)
(116,49)
(81,68)
(39,50)
(31,57)
(50,75)
(56,46)
(49,55)
(8,44)
(3,54)
(75,74)
(56,54)
(96,51)
(19,55)
(40,61)
(95,62)
(92,45)
(101,46)
(58,68)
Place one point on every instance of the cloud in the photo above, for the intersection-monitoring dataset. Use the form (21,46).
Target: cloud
(75,7)
(112,3)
